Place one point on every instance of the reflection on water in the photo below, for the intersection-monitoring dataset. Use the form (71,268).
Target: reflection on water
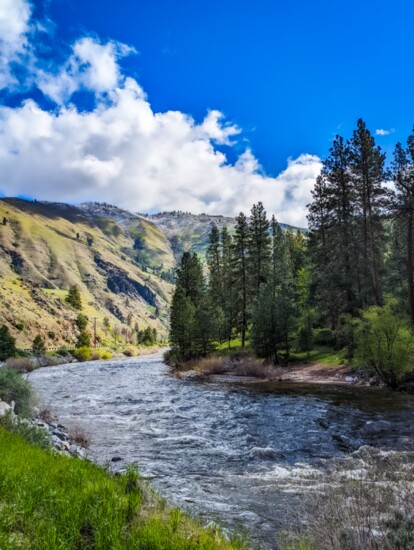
(239,455)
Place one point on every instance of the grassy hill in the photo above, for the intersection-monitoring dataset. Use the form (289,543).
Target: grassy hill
(114,259)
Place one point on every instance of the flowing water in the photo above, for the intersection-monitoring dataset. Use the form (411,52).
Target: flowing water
(242,456)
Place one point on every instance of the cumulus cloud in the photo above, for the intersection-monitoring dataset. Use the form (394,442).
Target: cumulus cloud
(92,66)
(382,132)
(14,26)
(123,152)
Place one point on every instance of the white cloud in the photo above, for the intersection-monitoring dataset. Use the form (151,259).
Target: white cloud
(14,26)
(382,132)
(92,66)
(124,153)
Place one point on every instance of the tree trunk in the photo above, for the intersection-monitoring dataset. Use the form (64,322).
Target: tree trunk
(410,266)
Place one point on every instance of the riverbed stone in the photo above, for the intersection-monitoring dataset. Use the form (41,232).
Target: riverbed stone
(4,408)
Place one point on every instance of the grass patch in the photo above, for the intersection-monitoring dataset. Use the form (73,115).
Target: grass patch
(50,501)
(324,355)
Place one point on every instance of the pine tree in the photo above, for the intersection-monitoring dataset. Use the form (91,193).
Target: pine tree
(403,210)
(73,297)
(241,275)
(190,277)
(258,249)
(181,326)
(187,309)
(7,344)
(38,346)
(229,294)
(214,262)
(83,339)
(368,174)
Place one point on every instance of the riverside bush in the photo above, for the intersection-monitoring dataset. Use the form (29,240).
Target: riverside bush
(384,344)
(13,387)
(52,501)
(83,354)
(20,364)
(32,434)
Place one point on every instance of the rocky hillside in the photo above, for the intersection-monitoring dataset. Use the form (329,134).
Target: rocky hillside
(187,231)
(119,261)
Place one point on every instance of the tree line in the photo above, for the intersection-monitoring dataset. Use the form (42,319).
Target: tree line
(280,290)
(246,290)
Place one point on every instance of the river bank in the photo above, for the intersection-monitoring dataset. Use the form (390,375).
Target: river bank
(247,370)
(55,494)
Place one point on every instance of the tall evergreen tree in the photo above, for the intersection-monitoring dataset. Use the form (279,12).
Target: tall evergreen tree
(214,262)
(182,326)
(274,312)
(229,291)
(258,249)
(190,277)
(403,210)
(368,175)
(190,335)
(241,275)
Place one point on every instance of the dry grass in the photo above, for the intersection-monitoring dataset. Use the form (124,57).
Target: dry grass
(374,512)
(243,365)
(22,365)
(254,368)
(79,436)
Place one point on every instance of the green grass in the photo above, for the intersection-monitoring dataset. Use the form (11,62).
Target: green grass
(51,502)
(324,355)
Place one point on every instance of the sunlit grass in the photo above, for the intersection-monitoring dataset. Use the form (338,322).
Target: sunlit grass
(323,355)
(50,501)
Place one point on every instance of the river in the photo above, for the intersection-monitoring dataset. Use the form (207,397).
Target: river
(242,456)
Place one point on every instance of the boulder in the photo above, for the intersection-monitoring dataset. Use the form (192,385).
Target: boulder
(4,408)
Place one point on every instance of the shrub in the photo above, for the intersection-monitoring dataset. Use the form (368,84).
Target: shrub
(83,354)
(38,346)
(32,434)
(172,358)
(106,355)
(7,344)
(51,335)
(79,436)
(19,325)
(129,352)
(255,368)
(13,387)
(384,344)
(304,338)
(323,337)
(20,364)
(359,514)
(63,352)
(96,355)
(84,340)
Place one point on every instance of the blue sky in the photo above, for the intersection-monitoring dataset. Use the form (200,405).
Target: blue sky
(288,75)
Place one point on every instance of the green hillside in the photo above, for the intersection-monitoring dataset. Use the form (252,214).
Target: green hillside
(47,247)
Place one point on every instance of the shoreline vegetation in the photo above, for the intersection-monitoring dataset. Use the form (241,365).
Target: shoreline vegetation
(52,496)
(322,367)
